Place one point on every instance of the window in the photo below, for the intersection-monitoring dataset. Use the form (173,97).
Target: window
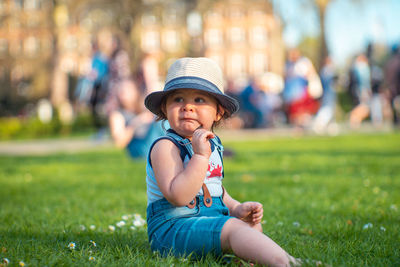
(31,4)
(151,40)
(149,19)
(258,36)
(236,13)
(237,35)
(171,41)
(31,46)
(237,64)
(258,63)
(213,15)
(15,48)
(214,37)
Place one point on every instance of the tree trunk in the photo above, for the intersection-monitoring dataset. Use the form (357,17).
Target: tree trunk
(323,52)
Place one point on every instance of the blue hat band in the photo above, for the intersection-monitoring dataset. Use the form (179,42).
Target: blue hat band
(192,82)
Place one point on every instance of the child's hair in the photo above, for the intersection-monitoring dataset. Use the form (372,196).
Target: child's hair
(201,74)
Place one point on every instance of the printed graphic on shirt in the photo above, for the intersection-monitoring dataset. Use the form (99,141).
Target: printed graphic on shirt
(214,170)
(214,166)
(213,179)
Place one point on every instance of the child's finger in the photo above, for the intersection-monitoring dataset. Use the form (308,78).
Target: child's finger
(259,216)
(203,134)
(256,207)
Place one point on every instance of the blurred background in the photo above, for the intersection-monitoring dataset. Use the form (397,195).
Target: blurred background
(318,65)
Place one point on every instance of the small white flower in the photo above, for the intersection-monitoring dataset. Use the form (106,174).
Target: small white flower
(6,261)
(71,245)
(82,227)
(91,258)
(93,243)
(111,228)
(125,217)
(138,223)
(296,224)
(120,223)
(21,263)
(92,227)
(132,228)
(367,226)
(383,228)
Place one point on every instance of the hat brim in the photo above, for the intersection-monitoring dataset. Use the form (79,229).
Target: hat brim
(154,100)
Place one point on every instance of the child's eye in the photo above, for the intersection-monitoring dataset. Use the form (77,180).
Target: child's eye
(178,99)
(199,100)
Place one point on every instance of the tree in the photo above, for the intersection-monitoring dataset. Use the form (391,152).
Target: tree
(321,8)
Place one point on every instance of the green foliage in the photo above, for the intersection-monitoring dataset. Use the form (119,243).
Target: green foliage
(9,127)
(330,199)
(32,127)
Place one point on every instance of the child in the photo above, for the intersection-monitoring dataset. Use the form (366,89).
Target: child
(189,212)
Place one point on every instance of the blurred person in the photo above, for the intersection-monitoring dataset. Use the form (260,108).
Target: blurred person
(271,104)
(131,126)
(147,76)
(376,98)
(92,88)
(119,70)
(391,85)
(302,88)
(260,100)
(363,93)
(251,102)
(236,121)
(326,113)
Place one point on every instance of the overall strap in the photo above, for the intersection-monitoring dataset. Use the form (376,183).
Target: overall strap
(185,144)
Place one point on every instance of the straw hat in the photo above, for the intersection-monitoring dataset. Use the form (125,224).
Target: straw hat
(193,73)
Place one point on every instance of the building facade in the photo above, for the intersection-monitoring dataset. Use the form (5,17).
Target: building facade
(46,45)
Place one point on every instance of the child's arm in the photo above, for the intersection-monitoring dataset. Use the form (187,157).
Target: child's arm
(179,185)
(250,212)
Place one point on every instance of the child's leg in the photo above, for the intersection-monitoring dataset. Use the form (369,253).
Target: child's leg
(250,244)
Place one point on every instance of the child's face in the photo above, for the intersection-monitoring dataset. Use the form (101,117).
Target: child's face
(188,109)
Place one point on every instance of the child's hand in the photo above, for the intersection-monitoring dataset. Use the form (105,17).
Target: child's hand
(250,212)
(200,143)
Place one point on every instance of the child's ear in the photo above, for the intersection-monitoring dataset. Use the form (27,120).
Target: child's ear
(163,109)
(220,113)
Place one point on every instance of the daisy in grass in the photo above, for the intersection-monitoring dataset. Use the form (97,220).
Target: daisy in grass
(71,246)
(21,263)
(111,228)
(91,258)
(6,261)
(93,243)
(138,221)
(92,227)
(120,224)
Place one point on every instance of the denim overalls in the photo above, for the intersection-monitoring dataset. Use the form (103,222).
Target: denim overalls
(182,231)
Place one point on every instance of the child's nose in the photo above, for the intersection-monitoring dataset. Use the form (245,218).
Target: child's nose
(188,106)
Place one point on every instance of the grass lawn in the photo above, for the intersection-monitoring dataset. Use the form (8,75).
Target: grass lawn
(333,199)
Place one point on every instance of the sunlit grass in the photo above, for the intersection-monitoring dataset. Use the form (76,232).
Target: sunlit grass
(331,199)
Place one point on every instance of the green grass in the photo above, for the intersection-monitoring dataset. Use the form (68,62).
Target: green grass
(319,193)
